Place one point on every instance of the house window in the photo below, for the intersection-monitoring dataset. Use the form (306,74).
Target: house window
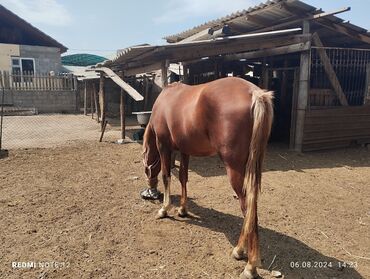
(23,69)
(16,70)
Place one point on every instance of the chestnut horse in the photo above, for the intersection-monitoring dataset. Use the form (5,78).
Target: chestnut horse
(230,117)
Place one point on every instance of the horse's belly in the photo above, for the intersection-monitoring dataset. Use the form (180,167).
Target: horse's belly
(195,146)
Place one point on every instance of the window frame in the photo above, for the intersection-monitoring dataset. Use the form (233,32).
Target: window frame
(19,66)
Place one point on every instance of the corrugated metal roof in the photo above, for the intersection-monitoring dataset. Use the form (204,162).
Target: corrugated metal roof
(219,21)
(147,52)
(271,15)
(133,51)
(272,11)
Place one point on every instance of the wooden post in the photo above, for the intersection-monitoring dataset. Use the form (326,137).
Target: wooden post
(185,69)
(216,69)
(264,81)
(146,95)
(294,109)
(85,98)
(122,113)
(96,103)
(91,102)
(283,87)
(102,100)
(367,85)
(103,130)
(164,73)
(304,78)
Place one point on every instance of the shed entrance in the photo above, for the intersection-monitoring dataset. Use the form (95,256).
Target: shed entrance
(284,83)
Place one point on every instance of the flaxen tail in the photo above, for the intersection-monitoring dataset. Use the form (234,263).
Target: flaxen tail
(262,110)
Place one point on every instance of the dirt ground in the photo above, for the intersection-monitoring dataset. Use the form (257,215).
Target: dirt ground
(78,205)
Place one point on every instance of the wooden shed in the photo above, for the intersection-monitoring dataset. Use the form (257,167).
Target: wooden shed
(317,64)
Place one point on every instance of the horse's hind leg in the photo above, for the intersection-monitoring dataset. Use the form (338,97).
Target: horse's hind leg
(166,175)
(236,174)
(236,178)
(183,176)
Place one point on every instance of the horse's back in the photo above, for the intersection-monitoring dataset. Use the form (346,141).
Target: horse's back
(223,94)
(199,119)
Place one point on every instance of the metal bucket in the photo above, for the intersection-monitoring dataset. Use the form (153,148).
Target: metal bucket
(143,117)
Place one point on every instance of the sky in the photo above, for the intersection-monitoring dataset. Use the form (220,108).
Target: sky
(102,27)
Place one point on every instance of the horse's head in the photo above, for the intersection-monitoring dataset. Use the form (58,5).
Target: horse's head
(152,160)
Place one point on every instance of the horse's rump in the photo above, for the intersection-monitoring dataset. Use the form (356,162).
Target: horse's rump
(207,115)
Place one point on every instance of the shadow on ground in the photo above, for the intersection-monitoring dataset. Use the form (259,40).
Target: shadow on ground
(279,158)
(287,249)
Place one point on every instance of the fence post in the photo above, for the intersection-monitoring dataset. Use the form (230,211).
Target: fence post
(96,103)
(85,98)
(91,101)
(102,100)
(2,109)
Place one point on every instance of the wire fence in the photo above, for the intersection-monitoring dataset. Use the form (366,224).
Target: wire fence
(351,67)
(40,110)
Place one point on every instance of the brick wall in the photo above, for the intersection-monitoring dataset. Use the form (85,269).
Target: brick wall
(46,58)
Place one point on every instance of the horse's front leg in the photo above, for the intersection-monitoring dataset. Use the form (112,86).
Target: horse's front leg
(166,175)
(183,176)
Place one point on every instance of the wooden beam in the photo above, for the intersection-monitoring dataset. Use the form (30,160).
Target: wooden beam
(329,70)
(293,120)
(114,77)
(164,73)
(85,98)
(173,51)
(122,114)
(223,47)
(146,94)
(104,125)
(264,80)
(91,102)
(367,85)
(102,100)
(96,103)
(302,98)
(143,69)
(270,51)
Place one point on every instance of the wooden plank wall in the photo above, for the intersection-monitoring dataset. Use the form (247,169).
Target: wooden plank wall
(322,98)
(336,127)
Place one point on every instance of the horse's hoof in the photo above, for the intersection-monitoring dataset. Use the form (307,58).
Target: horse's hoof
(161,214)
(238,255)
(249,273)
(181,212)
